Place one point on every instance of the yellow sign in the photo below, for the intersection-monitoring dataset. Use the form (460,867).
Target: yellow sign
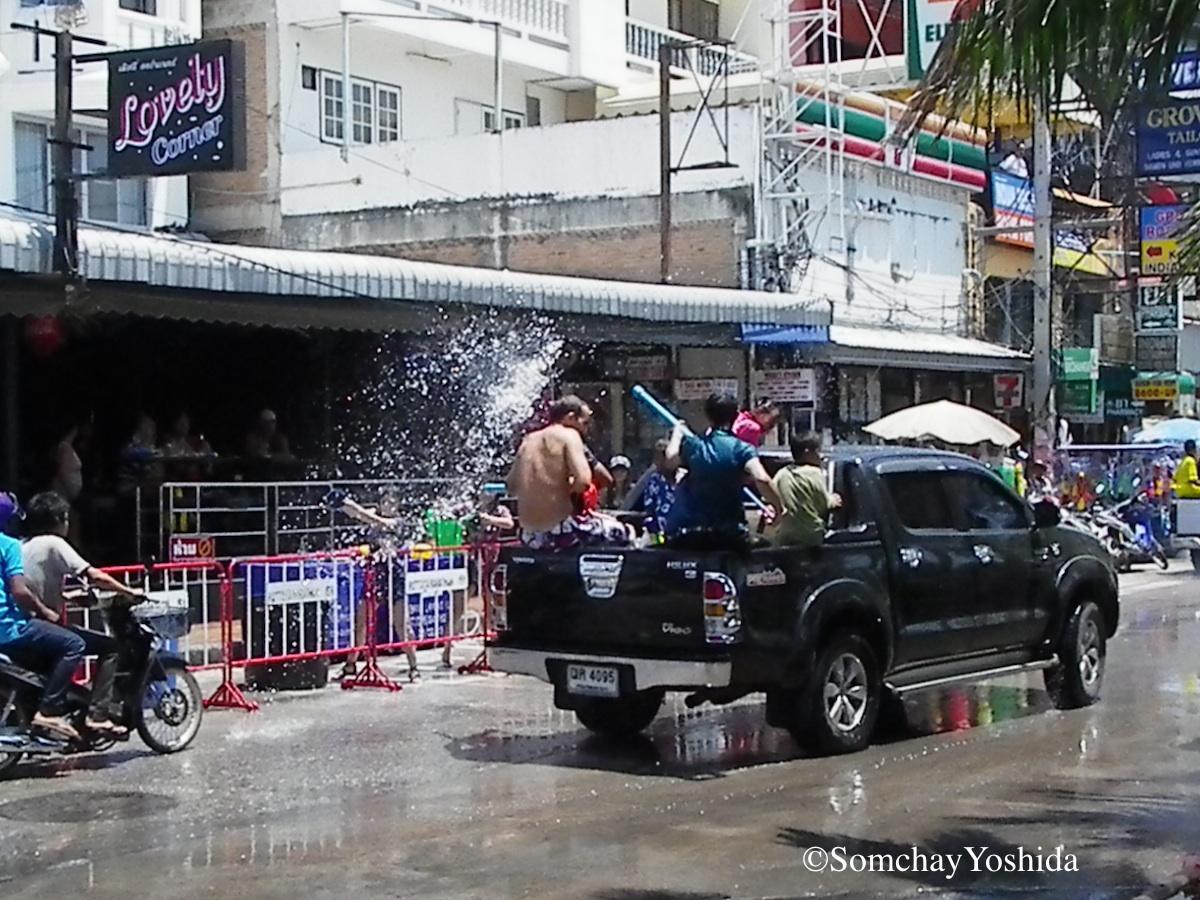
(1155,389)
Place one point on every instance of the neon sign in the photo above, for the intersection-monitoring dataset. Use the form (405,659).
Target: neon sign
(176,110)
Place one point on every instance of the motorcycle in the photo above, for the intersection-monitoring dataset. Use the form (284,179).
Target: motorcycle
(157,695)
(1140,517)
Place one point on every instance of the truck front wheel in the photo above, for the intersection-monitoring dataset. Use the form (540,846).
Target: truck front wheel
(836,712)
(619,717)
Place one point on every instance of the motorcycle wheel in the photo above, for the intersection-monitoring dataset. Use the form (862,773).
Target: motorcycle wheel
(15,718)
(1160,557)
(170,707)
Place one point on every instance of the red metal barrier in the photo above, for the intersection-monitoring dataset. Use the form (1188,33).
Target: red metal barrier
(332,608)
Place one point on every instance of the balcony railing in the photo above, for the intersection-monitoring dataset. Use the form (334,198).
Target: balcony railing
(545,17)
(643,40)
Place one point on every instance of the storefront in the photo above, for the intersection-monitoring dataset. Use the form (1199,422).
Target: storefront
(862,374)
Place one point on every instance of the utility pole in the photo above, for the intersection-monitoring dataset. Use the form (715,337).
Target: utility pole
(665,52)
(1045,420)
(66,212)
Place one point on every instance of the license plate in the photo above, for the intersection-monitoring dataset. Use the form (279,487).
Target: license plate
(592,681)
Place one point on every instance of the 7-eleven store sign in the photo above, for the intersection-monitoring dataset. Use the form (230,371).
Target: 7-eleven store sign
(1009,390)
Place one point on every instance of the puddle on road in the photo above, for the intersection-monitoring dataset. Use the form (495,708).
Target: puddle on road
(711,741)
(87,806)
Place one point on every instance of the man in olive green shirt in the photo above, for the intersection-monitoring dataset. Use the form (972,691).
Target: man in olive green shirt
(806,501)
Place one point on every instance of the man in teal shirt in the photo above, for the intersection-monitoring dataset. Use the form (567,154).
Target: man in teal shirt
(708,502)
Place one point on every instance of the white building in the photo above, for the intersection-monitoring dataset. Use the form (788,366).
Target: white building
(27,107)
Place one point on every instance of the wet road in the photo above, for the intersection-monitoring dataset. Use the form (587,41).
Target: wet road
(477,787)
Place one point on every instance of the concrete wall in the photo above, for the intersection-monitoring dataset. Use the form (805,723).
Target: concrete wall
(570,160)
(244,206)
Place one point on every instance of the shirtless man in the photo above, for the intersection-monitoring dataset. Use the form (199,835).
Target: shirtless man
(549,477)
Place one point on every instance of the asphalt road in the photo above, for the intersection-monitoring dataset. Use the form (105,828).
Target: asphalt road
(476,787)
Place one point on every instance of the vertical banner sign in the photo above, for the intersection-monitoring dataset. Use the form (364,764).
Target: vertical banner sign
(176,110)
(928,22)
(1159,227)
(1168,138)
(1159,309)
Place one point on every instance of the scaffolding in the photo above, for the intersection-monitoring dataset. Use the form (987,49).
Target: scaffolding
(804,203)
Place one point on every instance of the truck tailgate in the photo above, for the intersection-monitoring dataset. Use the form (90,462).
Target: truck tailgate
(592,600)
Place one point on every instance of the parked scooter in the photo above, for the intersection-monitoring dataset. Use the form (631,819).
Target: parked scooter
(1128,544)
(158,696)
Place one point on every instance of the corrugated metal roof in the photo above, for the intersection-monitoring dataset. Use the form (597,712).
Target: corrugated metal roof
(907,341)
(26,245)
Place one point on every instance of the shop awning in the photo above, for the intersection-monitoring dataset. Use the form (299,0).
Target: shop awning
(905,348)
(184,264)
(795,334)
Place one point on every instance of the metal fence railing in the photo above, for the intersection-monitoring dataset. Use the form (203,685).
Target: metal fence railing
(266,518)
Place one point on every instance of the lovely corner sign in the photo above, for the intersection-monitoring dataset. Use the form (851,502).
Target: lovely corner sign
(176,110)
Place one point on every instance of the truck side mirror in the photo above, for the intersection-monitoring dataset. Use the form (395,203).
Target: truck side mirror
(1046,514)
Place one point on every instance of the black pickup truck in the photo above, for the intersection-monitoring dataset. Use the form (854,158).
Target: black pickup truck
(932,572)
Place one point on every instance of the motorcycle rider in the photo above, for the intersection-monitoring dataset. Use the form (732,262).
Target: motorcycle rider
(26,624)
(47,646)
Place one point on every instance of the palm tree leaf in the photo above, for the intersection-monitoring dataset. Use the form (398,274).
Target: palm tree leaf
(1026,49)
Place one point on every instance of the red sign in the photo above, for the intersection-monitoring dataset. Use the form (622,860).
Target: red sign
(1009,388)
(190,547)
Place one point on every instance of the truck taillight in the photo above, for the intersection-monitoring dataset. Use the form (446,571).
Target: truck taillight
(722,616)
(498,590)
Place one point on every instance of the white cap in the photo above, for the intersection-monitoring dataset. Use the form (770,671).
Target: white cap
(620,462)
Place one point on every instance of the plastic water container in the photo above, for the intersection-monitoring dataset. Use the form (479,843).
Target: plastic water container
(444,532)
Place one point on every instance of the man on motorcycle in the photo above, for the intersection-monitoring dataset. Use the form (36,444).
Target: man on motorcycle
(29,633)
(26,624)
(49,558)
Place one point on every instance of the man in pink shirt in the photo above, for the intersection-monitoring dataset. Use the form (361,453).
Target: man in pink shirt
(752,424)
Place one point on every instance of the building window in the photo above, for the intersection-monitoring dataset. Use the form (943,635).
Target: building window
(374,111)
(308,78)
(145,7)
(32,157)
(479,118)
(333,109)
(699,18)
(123,201)
(363,107)
(388,99)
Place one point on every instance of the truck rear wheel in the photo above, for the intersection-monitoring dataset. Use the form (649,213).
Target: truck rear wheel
(622,716)
(837,711)
(1077,678)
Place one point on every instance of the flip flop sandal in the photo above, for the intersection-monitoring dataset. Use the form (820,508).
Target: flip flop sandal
(63,732)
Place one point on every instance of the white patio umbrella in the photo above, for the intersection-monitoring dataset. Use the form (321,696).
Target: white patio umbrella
(946,421)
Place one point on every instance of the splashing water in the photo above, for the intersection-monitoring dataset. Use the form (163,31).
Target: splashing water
(441,415)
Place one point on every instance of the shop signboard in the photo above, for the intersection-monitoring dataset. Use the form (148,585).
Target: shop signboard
(656,367)
(1157,352)
(929,21)
(1122,407)
(785,385)
(176,110)
(1159,309)
(1165,387)
(1009,390)
(1159,228)
(1079,364)
(700,388)
(1078,398)
(1168,138)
